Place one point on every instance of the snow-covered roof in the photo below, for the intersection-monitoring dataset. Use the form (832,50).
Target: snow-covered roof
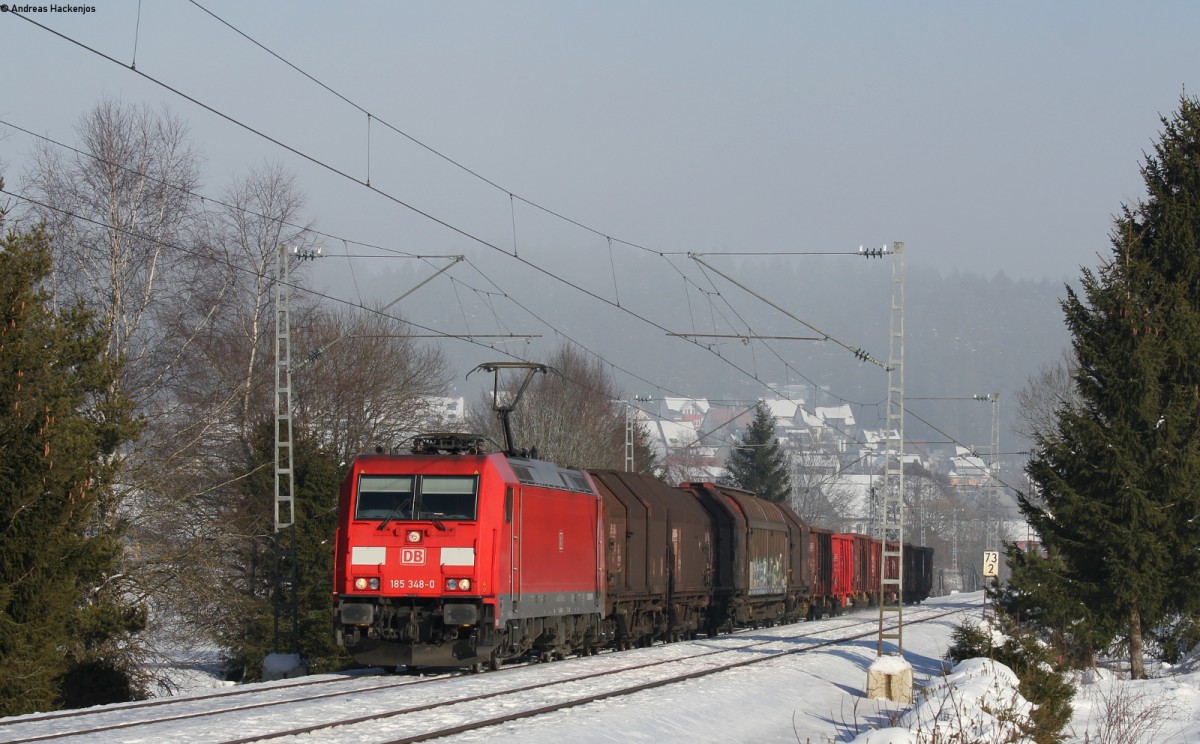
(781,408)
(675,433)
(686,405)
(811,419)
(840,413)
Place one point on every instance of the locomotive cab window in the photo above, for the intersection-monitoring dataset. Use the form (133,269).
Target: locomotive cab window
(447,497)
(409,497)
(384,497)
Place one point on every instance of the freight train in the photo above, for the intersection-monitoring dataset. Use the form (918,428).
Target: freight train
(454,557)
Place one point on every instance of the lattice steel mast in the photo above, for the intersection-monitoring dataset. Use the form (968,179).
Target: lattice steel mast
(891,572)
(285,571)
(992,538)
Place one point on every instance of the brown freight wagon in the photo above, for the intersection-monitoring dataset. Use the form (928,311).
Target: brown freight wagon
(752,557)
(658,558)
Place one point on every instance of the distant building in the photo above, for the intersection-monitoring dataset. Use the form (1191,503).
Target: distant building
(692,410)
(445,414)
(968,469)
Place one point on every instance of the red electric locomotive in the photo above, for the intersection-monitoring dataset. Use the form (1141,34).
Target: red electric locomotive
(453,557)
(450,558)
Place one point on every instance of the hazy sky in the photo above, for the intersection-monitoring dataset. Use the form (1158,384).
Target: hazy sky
(989,137)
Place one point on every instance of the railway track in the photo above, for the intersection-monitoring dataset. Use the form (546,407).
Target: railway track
(414,709)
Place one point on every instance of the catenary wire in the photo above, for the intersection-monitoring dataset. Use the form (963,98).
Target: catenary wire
(417,210)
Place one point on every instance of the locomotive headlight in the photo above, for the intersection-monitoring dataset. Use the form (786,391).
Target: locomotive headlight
(459,585)
(363,583)
(374,583)
(464,584)
(451,584)
(360,584)
(413,536)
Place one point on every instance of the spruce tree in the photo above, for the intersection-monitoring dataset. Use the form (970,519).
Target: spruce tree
(1118,477)
(758,463)
(248,628)
(63,631)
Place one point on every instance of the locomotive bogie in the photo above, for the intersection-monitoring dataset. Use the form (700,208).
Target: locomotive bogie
(416,633)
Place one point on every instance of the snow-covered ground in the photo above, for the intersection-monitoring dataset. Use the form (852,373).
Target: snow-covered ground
(819,697)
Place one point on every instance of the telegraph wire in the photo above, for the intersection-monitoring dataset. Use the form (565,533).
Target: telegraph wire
(401,254)
(316,161)
(787,365)
(433,332)
(960,444)
(858,352)
(313,292)
(434,151)
(132,67)
(137,28)
(337,171)
(299,153)
(232,265)
(460,231)
(414,140)
(206,198)
(715,291)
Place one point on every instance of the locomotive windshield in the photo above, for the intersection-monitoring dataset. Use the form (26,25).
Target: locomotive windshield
(416,497)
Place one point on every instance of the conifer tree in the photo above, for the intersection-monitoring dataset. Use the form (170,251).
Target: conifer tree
(64,631)
(247,630)
(758,463)
(1118,477)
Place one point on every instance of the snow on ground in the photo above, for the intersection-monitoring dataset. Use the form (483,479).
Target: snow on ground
(819,698)
(815,697)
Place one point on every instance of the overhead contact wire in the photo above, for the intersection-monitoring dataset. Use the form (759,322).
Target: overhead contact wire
(390,197)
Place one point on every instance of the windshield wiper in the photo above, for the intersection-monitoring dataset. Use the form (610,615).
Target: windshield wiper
(391,515)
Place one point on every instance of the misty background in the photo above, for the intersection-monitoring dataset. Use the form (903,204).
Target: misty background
(575,154)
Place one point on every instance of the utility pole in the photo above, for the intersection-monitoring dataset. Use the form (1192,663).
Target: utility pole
(958,582)
(628,438)
(285,595)
(993,530)
(891,571)
(991,523)
(886,678)
(630,421)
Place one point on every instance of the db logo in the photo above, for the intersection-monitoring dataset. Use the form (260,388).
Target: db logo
(412,556)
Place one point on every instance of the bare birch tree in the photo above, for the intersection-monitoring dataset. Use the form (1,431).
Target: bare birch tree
(372,386)
(220,391)
(1045,393)
(687,460)
(819,494)
(120,212)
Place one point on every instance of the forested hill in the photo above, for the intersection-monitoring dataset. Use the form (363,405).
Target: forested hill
(965,334)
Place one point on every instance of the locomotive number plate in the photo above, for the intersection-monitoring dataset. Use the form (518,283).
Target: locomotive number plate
(413,584)
(412,556)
